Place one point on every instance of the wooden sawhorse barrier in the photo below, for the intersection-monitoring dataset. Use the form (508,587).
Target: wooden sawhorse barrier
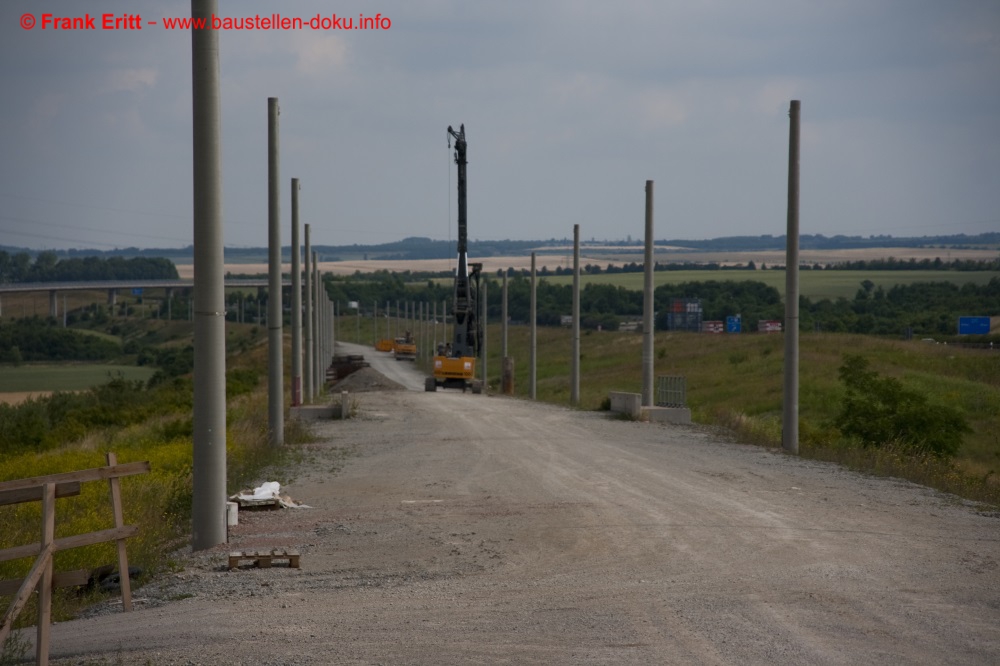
(48,489)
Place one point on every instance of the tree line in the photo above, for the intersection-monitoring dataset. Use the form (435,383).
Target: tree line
(48,267)
(926,308)
(887,264)
(936,264)
(36,339)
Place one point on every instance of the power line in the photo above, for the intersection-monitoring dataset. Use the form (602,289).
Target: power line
(64,239)
(108,208)
(94,229)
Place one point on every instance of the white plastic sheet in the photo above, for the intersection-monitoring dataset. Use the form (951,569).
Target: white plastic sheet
(267,493)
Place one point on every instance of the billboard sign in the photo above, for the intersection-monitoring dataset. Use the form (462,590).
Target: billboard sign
(973,325)
(684,314)
(769,326)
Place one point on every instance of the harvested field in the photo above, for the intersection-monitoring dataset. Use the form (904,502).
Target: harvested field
(17,397)
(553,257)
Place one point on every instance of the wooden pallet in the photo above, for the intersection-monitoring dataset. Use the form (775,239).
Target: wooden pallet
(264,558)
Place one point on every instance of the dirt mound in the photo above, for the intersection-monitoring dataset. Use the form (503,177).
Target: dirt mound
(366,379)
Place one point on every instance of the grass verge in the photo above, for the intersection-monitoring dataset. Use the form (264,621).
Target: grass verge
(158,502)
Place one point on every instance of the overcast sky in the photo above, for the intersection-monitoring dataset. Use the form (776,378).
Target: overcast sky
(569,107)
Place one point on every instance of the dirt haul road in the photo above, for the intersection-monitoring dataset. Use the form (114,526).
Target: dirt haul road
(449,528)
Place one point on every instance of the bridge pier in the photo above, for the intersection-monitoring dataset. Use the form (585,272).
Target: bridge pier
(175,289)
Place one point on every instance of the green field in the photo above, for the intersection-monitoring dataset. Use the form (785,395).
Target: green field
(815,285)
(68,377)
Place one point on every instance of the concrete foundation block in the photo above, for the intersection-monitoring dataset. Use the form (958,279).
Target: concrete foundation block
(631,404)
(626,403)
(675,415)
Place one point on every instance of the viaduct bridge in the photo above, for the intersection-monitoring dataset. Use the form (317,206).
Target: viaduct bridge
(114,286)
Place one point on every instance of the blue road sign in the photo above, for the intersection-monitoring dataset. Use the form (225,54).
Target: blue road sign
(973,325)
(733,325)
(137,291)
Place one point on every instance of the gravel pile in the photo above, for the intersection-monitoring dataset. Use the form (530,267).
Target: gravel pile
(365,380)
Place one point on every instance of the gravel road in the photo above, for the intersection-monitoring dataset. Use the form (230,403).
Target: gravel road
(401,372)
(449,528)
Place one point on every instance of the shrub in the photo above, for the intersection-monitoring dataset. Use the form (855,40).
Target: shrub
(240,381)
(879,410)
(39,424)
(36,339)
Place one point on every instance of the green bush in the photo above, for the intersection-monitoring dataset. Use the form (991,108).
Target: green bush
(40,424)
(880,410)
(32,339)
(172,362)
(240,381)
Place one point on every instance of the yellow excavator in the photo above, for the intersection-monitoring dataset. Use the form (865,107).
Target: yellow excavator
(404,348)
(455,362)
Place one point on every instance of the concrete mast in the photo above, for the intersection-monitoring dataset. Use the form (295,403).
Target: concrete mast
(503,318)
(296,300)
(506,362)
(790,403)
(208,508)
(319,376)
(647,304)
(574,382)
(533,373)
(275,367)
(308,380)
(483,341)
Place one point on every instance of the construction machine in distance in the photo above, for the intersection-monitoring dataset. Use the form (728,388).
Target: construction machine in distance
(455,362)
(404,348)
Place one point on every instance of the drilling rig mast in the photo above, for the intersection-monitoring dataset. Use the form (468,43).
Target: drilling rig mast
(455,363)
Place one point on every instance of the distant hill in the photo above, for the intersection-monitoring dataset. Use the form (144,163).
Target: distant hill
(426,248)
